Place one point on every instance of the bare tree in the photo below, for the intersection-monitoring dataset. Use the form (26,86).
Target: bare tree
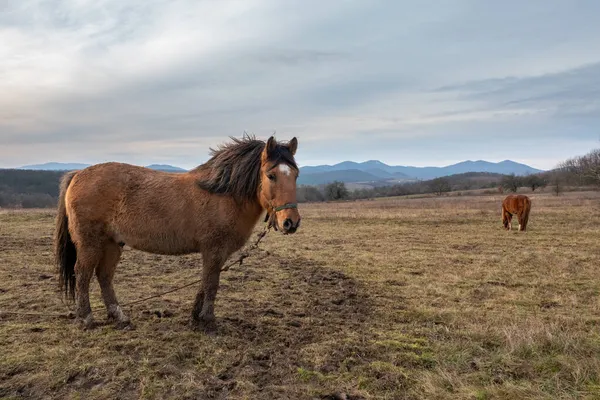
(534,181)
(336,191)
(511,183)
(439,186)
(556,181)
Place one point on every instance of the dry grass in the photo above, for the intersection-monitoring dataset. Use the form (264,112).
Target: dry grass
(387,299)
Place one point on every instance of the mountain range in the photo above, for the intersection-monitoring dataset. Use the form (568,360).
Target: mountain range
(353,172)
(373,170)
(54,166)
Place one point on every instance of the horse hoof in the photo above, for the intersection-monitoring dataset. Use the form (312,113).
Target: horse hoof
(88,323)
(212,332)
(125,326)
(208,327)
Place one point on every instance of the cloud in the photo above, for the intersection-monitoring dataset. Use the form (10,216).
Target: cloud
(575,90)
(164,80)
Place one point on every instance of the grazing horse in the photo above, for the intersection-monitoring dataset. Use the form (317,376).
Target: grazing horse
(516,204)
(210,210)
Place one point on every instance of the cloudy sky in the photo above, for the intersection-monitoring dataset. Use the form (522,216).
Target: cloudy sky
(407,82)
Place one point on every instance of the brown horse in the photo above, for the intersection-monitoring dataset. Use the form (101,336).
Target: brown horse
(210,210)
(516,204)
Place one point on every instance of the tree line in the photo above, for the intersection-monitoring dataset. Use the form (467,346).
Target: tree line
(29,189)
(339,190)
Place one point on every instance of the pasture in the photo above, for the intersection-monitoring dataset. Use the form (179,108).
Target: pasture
(399,298)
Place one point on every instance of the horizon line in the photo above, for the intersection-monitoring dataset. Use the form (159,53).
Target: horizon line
(310,165)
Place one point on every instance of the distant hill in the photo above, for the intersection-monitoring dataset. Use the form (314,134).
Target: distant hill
(166,168)
(54,166)
(376,170)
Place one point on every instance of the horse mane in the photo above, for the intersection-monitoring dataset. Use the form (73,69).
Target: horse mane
(234,167)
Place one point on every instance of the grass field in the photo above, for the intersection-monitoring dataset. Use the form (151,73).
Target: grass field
(389,299)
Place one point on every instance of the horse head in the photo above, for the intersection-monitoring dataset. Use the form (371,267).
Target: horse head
(277,192)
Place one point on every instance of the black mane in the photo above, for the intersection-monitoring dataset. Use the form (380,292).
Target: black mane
(234,168)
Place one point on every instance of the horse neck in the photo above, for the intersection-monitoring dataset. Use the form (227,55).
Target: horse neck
(250,209)
(247,212)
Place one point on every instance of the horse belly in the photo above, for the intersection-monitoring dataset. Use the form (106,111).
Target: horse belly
(166,243)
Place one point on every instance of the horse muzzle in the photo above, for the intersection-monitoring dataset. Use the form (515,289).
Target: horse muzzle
(289,227)
(289,215)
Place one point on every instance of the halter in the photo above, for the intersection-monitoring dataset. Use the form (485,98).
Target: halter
(285,207)
(270,217)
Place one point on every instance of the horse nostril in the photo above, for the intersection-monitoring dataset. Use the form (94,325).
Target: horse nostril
(288,224)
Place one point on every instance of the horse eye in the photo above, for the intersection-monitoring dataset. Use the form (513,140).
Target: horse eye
(271,177)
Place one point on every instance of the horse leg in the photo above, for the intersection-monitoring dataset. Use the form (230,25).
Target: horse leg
(525,219)
(520,217)
(87,259)
(203,314)
(505,218)
(198,304)
(105,273)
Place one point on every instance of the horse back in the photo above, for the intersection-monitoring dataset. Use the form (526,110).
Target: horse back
(517,204)
(149,210)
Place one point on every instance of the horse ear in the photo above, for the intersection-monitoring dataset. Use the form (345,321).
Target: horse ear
(271,145)
(293,146)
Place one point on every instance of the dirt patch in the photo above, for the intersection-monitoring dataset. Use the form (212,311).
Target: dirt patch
(303,303)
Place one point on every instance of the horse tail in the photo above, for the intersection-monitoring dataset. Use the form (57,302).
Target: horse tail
(65,252)
(526,211)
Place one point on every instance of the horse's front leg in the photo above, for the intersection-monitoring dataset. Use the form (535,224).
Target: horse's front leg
(203,314)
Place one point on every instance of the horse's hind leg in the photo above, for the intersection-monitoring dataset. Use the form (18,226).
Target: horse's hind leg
(105,273)
(88,257)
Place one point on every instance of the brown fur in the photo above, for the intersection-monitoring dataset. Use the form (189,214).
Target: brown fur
(211,210)
(519,205)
